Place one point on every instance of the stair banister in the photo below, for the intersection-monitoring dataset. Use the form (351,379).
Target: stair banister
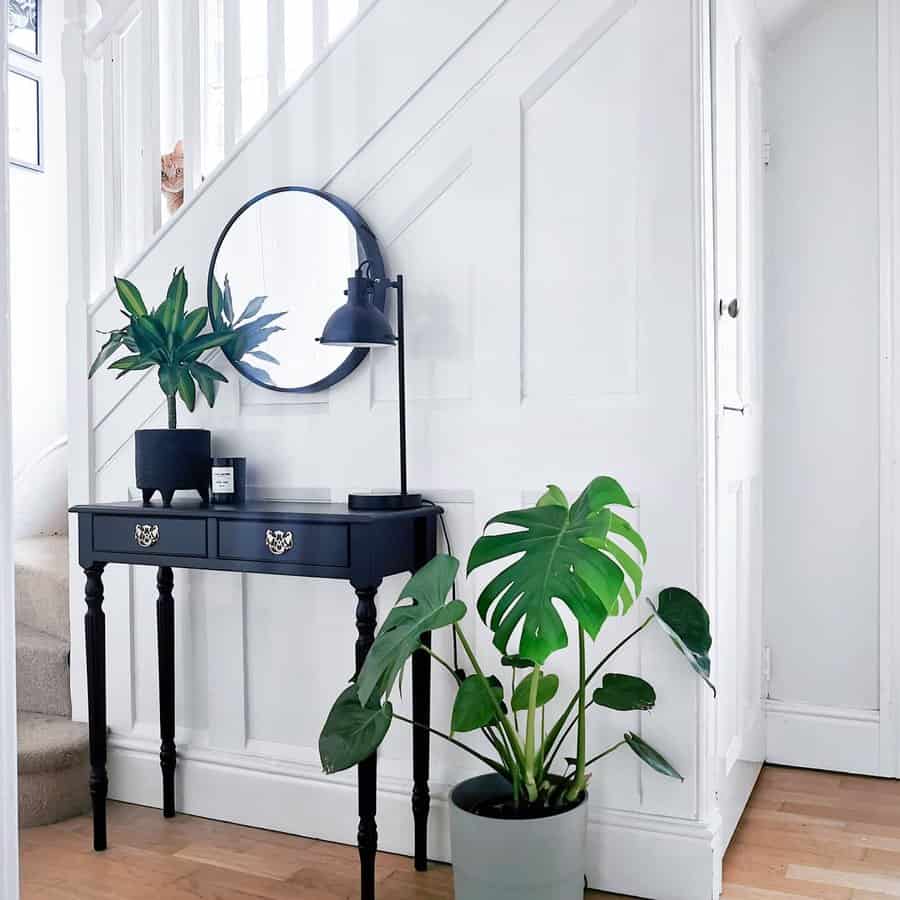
(275,51)
(149,74)
(79,252)
(193,79)
(233,100)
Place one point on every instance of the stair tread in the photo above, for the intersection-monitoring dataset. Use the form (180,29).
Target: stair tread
(34,638)
(46,743)
(44,554)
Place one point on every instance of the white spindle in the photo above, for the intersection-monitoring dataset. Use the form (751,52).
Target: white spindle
(320,27)
(112,148)
(150,141)
(276,50)
(79,252)
(192,50)
(232,41)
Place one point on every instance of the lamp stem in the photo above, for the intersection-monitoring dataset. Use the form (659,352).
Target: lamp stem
(401,371)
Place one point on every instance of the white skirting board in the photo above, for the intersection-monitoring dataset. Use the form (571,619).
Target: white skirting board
(296,798)
(823,737)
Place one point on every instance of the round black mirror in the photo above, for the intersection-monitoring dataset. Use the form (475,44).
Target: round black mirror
(278,271)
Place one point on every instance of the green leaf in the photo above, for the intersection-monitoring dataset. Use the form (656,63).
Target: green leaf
(401,633)
(130,297)
(192,324)
(187,389)
(192,349)
(176,297)
(546,691)
(206,384)
(252,308)
(148,334)
(133,363)
(352,732)
(602,492)
(473,707)
(216,303)
(553,497)
(621,527)
(516,662)
(625,692)
(206,377)
(168,380)
(113,343)
(651,757)
(556,564)
(682,616)
(208,371)
(227,305)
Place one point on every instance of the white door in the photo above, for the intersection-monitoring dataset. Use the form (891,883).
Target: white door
(738,141)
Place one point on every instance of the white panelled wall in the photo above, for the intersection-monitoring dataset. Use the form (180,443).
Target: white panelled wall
(538,169)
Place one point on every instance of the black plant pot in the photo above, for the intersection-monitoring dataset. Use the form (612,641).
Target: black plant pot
(172,459)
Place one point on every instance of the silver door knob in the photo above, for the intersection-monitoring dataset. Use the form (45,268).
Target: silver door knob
(733,308)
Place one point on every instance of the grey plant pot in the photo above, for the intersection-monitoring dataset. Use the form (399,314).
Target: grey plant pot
(514,859)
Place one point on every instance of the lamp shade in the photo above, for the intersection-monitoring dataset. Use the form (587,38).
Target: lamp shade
(358,323)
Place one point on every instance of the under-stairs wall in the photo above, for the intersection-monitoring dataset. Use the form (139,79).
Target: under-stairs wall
(536,169)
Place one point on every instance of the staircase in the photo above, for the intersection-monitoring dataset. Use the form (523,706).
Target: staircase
(53,750)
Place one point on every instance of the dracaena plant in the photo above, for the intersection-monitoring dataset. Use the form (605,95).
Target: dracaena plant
(172,340)
(582,562)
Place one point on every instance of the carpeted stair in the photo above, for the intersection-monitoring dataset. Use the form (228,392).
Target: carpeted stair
(53,750)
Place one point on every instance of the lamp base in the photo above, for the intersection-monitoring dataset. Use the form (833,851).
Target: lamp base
(383,502)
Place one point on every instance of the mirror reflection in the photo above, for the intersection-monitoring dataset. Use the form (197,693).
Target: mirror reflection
(282,267)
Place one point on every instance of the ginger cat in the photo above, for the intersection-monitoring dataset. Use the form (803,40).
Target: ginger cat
(173,177)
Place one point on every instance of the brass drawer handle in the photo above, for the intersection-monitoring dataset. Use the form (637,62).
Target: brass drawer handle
(279,542)
(146,535)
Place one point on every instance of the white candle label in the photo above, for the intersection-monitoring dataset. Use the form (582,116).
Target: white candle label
(223,480)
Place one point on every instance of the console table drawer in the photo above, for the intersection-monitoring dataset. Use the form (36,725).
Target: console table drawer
(165,535)
(286,542)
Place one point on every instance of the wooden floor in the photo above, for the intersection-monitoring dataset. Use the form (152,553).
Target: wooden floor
(804,835)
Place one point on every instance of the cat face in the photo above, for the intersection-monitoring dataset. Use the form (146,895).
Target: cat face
(173,170)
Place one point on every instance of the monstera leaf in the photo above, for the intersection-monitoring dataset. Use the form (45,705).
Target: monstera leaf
(352,732)
(474,708)
(401,633)
(624,693)
(547,687)
(684,619)
(565,557)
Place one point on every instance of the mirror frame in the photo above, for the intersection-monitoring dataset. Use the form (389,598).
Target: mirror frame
(368,249)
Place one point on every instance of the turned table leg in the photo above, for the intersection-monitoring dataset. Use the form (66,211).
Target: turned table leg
(367,836)
(165,642)
(95,655)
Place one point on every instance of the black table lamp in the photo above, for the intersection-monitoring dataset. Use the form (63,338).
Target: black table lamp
(359,323)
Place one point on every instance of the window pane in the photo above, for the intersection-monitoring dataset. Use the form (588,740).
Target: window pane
(24,139)
(298,38)
(254,62)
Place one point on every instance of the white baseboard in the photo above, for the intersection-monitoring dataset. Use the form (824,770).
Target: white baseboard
(295,797)
(823,737)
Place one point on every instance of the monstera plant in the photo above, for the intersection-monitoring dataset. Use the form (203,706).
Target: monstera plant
(582,562)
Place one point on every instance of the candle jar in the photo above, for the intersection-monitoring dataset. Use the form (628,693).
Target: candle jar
(228,480)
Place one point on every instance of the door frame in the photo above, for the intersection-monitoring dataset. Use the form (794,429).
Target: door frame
(9,837)
(888,38)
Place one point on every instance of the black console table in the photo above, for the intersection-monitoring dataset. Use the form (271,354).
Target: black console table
(318,540)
